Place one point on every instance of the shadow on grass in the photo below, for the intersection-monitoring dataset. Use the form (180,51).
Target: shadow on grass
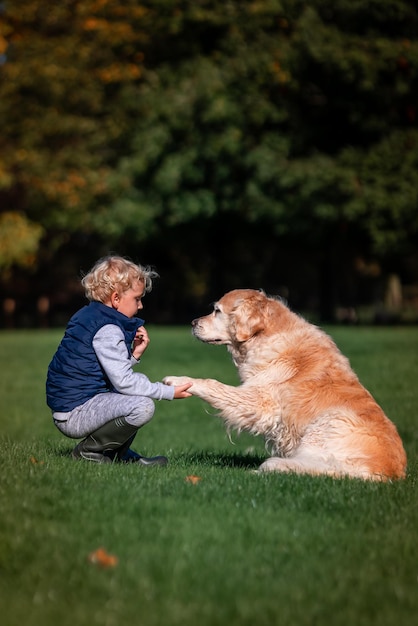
(208,459)
(216,459)
(63,452)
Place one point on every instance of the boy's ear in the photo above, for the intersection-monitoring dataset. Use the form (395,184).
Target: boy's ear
(114,299)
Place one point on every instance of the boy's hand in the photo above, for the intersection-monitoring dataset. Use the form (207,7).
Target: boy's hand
(140,343)
(181,385)
(181,391)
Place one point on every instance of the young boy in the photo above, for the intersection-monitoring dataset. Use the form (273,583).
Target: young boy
(91,387)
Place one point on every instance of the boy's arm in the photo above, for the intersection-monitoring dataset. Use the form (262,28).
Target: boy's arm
(110,348)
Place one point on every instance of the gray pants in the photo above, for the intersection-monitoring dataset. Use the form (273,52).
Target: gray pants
(85,419)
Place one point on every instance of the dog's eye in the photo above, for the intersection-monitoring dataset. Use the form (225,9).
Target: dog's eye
(216,310)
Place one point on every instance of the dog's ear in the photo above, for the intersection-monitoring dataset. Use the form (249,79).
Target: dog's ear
(248,318)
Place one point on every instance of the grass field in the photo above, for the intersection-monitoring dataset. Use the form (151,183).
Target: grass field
(234,548)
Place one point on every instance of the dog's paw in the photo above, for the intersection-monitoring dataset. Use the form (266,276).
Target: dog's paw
(273,464)
(176,381)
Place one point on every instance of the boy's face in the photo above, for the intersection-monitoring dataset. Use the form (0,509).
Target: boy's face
(130,301)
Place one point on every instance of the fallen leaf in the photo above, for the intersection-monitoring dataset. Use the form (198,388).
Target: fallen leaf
(35,461)
(102,558)
(193,479)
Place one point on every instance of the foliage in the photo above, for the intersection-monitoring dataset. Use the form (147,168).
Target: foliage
(19,240)
(127,119)
(234,548)
(285,111)
(62,80)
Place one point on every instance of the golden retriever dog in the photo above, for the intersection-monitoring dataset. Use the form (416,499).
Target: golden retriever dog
(297,390)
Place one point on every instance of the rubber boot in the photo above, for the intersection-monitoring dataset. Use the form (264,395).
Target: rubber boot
(102,444)
(111,443)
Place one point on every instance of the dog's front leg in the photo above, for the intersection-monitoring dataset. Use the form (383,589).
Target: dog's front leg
(240,407)
(217,394)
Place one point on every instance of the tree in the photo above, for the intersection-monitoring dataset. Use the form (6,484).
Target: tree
(302,116)
(63,77)
(129,120)
(19,240)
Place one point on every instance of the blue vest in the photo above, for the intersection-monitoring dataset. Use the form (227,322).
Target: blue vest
(74,374)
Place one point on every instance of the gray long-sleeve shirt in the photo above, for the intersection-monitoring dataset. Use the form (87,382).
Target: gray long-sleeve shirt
(110,348)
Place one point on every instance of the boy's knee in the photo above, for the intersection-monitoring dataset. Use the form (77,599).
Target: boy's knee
(142,413)
(149,408)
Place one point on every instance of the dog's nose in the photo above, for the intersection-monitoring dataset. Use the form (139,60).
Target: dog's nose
(194,322)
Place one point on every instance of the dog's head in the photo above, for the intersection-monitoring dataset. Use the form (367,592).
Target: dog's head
(237,317)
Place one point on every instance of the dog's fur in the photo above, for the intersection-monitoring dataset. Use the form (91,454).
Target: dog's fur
(298,391)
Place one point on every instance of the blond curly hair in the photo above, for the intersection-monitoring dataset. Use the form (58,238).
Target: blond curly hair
(115,273)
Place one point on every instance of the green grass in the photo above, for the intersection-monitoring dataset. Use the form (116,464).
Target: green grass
(235,549)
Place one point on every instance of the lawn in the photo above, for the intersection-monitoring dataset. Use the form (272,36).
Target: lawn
(229,547)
